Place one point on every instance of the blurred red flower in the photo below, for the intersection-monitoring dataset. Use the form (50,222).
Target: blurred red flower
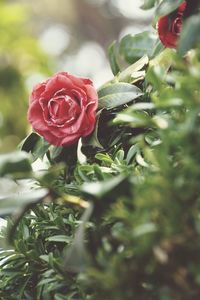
(169,27)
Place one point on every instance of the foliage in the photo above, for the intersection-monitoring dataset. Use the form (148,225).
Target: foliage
(125,223)
(34,268)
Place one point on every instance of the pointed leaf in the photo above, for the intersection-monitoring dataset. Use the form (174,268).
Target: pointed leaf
(134,71)
(133,47)
(112,59)
(167,6)
(118,94)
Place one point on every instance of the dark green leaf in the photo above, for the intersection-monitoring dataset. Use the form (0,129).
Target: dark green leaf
(35,144)
(30,142)
(112,58)
(55,152)
(41,148)
(92,140)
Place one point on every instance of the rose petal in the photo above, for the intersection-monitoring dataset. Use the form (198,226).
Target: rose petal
(80,96)
(69,140)
(92,94)
(167,38)
(56,83)
(37,92)
(182,7)
(49,137)
(169,29)
(35,117)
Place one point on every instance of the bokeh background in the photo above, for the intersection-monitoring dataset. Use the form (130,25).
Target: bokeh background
(40,37)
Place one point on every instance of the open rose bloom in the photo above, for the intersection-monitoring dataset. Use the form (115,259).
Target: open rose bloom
(63,109)
(169,27)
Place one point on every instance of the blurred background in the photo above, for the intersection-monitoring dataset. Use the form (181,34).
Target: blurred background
(41,37)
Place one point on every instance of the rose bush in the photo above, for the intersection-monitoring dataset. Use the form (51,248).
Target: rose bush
(132,206)
(169,27)
(63,108)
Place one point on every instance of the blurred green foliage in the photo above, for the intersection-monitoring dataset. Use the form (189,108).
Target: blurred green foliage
(138,192)
(143,241)
(20,57)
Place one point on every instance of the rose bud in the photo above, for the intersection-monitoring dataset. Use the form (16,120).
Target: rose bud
(63,108)
(169,27)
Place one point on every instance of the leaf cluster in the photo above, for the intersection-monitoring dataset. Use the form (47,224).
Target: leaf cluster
(123,224)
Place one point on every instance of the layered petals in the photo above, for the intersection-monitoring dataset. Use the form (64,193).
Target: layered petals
(63,109)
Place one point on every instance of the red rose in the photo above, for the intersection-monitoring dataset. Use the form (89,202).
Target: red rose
(169,27)
(63,108)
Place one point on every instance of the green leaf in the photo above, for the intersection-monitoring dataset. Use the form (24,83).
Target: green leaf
(59,238)
(142,106)
(133,47)
(104,158)
(30,142)
(10,258)
(148,4)
(112,59)
(134,71)
(15,162)
(162,61)
(92,140)
(167,6)
(60,297)
(144,229)
(133,118)
(158,48)
(75,256)
(35,144)
(55,152)
(140,160)
(190,34)
(17,201)
(120,155)
(131,153)
(101,188)
(41,148)
(46,281)
(45,258)
(117,94)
